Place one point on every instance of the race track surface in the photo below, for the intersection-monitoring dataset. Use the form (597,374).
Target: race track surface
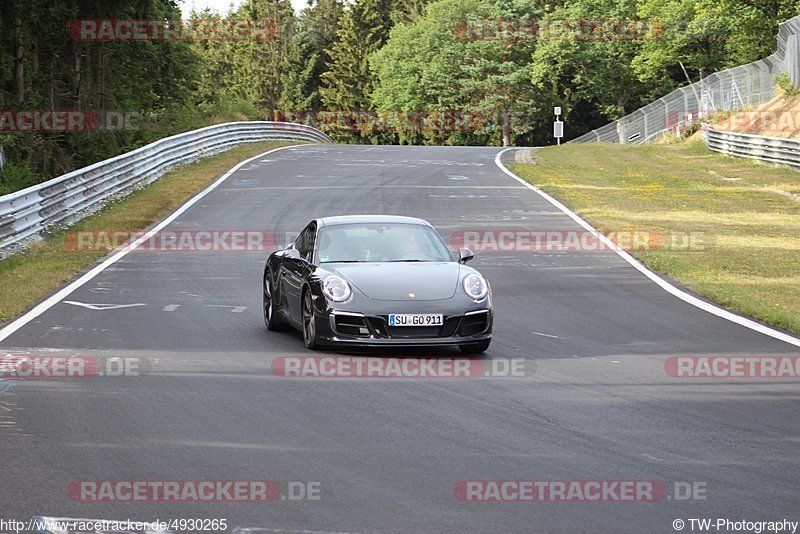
(595,402)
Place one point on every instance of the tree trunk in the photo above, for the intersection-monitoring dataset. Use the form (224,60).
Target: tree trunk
(19,62)
(52,92)
(506,128)
(76,73)
(102,67)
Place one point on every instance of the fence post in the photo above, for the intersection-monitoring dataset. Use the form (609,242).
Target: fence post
(791,59)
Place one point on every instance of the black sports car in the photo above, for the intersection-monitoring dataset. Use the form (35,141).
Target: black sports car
(377,281)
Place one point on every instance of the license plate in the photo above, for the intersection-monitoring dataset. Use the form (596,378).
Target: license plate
(415,319)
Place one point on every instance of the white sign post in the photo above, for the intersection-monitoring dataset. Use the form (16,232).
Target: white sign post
(558,125)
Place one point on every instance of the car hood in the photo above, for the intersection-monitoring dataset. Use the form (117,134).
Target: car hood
(394,281)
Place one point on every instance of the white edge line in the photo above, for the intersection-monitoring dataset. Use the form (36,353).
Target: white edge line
(663,284)
(111,260)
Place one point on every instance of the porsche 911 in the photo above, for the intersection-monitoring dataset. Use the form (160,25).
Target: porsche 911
(377,281)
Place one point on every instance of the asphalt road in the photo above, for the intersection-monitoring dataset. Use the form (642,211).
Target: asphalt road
(595,402)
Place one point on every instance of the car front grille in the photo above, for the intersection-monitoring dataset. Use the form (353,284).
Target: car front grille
(472,325)
(415,331)
(378,326)
(351,325)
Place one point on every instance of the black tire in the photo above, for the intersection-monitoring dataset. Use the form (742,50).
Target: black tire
(475,348)
(271,318)
(309,321)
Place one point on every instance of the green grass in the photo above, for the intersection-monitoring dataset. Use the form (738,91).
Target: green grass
(31,275)
(747,216)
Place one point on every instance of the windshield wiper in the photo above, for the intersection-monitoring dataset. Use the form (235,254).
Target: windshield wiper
(341,261)
(410,261)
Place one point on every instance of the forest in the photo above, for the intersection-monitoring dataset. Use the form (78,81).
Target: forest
(84,80)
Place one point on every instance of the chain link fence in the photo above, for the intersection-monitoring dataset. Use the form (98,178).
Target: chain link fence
(740,87)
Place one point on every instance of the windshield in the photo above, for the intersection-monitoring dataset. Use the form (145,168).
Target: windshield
(378,242)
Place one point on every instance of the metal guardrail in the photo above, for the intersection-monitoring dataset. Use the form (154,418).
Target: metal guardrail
(57,203)
(778,150)
(737,88)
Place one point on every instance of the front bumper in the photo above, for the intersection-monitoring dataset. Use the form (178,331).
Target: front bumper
(347,328)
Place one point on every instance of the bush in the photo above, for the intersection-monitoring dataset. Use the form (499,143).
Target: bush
(14,177)
(785,87)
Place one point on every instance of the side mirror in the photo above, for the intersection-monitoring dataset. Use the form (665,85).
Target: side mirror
(292,253)
(464,255)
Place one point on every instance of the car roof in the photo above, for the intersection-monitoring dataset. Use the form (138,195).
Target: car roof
(354,219)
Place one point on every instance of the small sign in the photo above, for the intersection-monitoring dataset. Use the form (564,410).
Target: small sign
(557,110)
(558,129)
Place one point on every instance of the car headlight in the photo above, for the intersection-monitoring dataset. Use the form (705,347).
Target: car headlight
(475,286)
(336,288)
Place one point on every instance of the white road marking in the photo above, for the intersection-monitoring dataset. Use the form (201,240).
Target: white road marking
(100,289)
(546,335)
(473,196)
(171,307)
(70,288)
(234,309)
(663,284)
(101,307)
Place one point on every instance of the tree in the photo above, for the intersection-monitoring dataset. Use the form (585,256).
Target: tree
(439,64)
(363,29)
(256,75)
(703,36)
(308,58)
(587,68)
(44,67)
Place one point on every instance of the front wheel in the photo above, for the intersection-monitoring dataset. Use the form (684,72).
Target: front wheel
(309,322)
(475,348)
(270,314)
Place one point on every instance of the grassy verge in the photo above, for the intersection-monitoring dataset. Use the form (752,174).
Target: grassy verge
(747,217)
(28,277)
